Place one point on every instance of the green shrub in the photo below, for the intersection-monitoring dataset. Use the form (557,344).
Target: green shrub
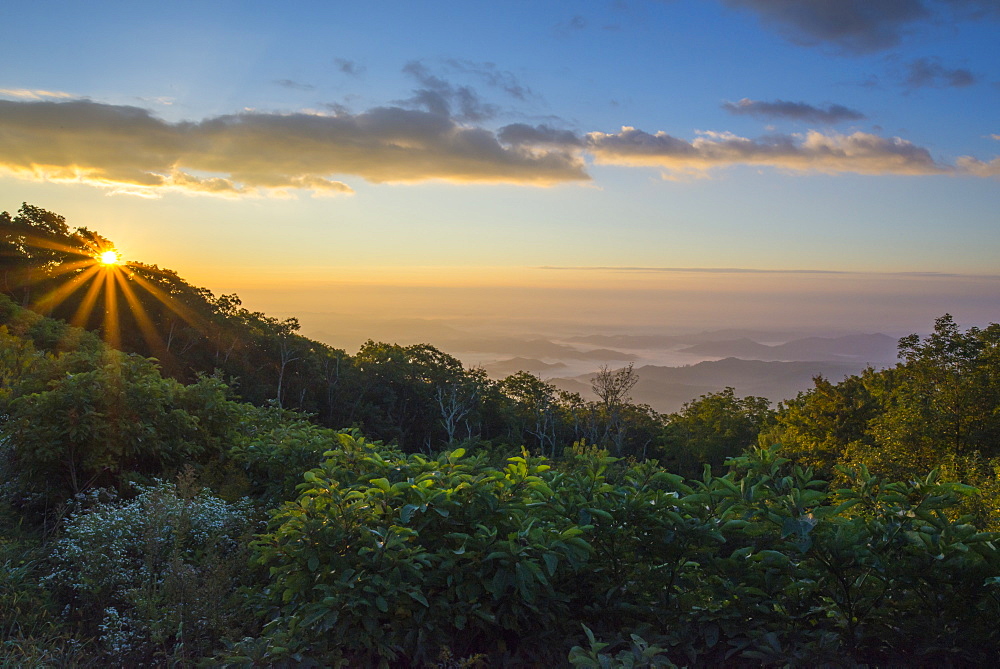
(639,655)
(386,560)
(83,422)
(394,558)
(274,456)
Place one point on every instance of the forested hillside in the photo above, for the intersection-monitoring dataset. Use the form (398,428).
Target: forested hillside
(184,481)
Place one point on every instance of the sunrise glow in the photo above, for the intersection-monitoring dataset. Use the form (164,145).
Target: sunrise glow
(525,170)
(109,258)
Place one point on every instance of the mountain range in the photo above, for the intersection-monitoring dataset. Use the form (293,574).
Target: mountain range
(666,389)
(868,348)
(672,368)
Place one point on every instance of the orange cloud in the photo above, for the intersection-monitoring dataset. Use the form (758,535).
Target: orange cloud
(32,94)
(130,150)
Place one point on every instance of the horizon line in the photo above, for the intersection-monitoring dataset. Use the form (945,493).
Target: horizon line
(751,270)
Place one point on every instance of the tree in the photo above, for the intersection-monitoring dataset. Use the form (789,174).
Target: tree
(940,404)
(613,389)
(819,426)
(535,409)
(282,333)
(952,380)
(35,246)
(458,398)
(396,398)
(713,428)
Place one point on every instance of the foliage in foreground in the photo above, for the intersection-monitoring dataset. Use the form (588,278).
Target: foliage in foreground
(384,560)
(396,557)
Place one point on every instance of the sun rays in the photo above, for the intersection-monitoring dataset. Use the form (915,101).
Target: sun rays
(109,292)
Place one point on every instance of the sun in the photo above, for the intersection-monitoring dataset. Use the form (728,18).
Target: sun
(87,262)
(109,258)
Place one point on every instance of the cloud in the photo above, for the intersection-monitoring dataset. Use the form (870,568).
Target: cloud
(538,135)
(975,9)
(121,147)
(159,100)
(798,111)
(685,270)
(29,94)
(294,85)
(442,98)
(492,76)
(349,67)
(861,26)
(575,24)
(978,168)
(924,73)
(752,270)
(129,150)
(859,153)
(857,26)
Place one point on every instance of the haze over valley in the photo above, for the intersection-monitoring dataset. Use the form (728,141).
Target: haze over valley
(672,368)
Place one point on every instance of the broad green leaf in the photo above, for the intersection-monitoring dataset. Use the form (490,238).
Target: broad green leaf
(551,562)
(407,512)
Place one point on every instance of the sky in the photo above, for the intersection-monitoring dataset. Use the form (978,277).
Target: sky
(603,165)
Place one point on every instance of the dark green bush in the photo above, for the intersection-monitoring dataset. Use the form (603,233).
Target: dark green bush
(385,559)
(86,421)
(392,558)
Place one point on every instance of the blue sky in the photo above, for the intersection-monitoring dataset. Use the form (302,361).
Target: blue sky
(260,148)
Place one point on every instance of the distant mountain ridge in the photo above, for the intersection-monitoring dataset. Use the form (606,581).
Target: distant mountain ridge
(533,348)
(504,368)
(666,389)
(777,370)
(671,341)
(868,348)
